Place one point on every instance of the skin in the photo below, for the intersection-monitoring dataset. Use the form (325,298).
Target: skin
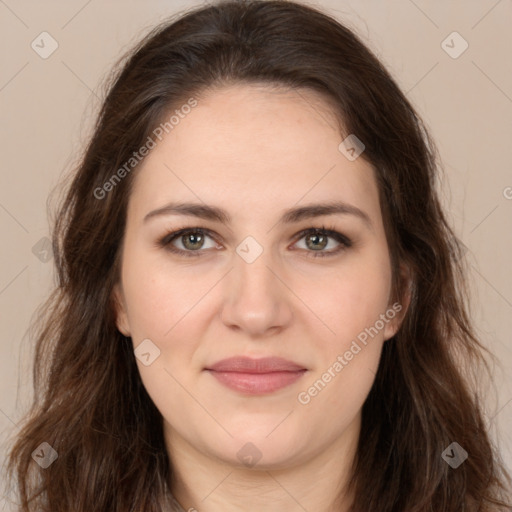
(256,151)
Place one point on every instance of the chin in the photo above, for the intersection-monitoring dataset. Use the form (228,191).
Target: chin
(258,450)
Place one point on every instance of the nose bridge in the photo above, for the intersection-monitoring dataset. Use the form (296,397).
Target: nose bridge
(253,275)
(253,260)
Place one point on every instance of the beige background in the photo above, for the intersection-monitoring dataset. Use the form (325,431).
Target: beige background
(48,105)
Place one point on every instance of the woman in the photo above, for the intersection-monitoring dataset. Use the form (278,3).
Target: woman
(261,305)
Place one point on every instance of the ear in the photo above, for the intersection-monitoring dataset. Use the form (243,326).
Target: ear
(396,311)
(119,306)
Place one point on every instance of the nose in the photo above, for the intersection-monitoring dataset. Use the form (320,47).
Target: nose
(256,298)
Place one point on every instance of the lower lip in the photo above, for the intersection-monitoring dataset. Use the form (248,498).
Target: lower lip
(257,383)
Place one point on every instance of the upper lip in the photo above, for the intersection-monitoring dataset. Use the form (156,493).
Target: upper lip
(249,365)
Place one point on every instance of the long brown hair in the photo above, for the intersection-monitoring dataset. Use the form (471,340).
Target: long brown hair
(89,402)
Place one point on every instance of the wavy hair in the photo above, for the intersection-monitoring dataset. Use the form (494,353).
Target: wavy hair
(89,402)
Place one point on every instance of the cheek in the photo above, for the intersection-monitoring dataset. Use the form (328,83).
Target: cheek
(350,302)
(162,306)
(351,298)
(149,301)
(348,357)
(157,295)
(170,307)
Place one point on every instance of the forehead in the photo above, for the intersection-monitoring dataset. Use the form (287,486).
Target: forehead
(254,150)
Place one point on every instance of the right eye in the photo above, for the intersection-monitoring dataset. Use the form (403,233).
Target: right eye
(191,239)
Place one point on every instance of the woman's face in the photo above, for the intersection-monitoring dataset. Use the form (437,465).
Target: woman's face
(250,285)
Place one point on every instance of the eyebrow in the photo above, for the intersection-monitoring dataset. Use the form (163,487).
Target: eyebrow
(293,215)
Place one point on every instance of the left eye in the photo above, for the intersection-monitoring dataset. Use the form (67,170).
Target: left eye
(192,241)
(317,240)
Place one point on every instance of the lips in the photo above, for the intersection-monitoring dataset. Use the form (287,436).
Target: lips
(249,365)
(256,376)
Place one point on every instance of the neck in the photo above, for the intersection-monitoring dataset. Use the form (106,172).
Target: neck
(205,483)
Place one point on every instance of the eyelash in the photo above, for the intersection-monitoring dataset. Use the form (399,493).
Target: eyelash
(330,232)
